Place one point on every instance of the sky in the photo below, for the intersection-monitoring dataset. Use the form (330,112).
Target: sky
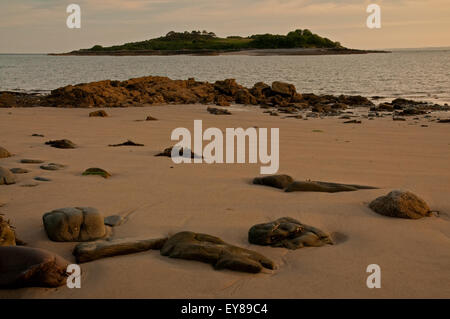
(39,26)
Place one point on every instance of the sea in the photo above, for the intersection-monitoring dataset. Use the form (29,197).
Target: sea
(419,74)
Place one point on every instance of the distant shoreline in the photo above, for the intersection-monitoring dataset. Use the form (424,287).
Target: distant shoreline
(248,52)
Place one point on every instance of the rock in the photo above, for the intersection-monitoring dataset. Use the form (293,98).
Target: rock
(289,233)
(113,220)
(86,252)
(31,267)
(74,224)
(385,107)
(52,167)
(277,181)
(64,144)
(42,179)
(326,187)
(99,113)
(353,122)
(221,100)
(217,111)
(6,177)
(96,171)
(398,119)
(444,121)
(227,87)
(401,204)
(213,250)
(31,161)
(18,170)
(168,153)
(151,118)
(7,234)
(4,153)
(243,96)
(37,135)
(283,88)
(127,143)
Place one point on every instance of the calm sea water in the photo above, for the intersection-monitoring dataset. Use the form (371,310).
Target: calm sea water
(418,74)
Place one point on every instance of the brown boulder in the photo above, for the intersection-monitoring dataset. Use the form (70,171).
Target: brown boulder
(4,153)
(284,89)
(401,204)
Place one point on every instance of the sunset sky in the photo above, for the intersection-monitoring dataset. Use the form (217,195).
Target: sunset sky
(39,26)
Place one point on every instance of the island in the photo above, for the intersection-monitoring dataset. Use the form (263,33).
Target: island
(298,42)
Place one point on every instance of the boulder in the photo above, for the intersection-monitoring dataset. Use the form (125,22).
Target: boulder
(227,87)
(289,233)
(64,144)
(31,267)
(4,153)
(74,224)
(213,250)
(277,181)
(151,118)
(401,204)
(6,177)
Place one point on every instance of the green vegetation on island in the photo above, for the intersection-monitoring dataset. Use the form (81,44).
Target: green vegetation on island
(204,40)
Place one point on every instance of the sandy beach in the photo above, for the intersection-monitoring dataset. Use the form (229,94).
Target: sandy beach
(161,198)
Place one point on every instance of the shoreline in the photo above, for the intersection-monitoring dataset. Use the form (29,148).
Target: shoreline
(249,52)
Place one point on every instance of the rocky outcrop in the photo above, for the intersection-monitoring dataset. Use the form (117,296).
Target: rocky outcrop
(31,267)
(213,250)
(289,233)
(74,224)
(401,204)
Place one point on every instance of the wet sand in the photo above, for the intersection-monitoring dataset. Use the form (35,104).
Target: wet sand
(219,199)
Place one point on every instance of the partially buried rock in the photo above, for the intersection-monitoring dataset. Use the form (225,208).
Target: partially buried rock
(99,113)
(64,144)
(326,187)
(31,267)
(18,170)
(6,177)
(127,143)
(96,171)
(151,118)
(289,233)
(113,220)
(74,224)
(277,181)
(86,252)
(213,250)
(353,122)
(217,111)
(4,153)
(42,179)
(31,161)
(401,204)
(52,167)
(444,121)
(183,152)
